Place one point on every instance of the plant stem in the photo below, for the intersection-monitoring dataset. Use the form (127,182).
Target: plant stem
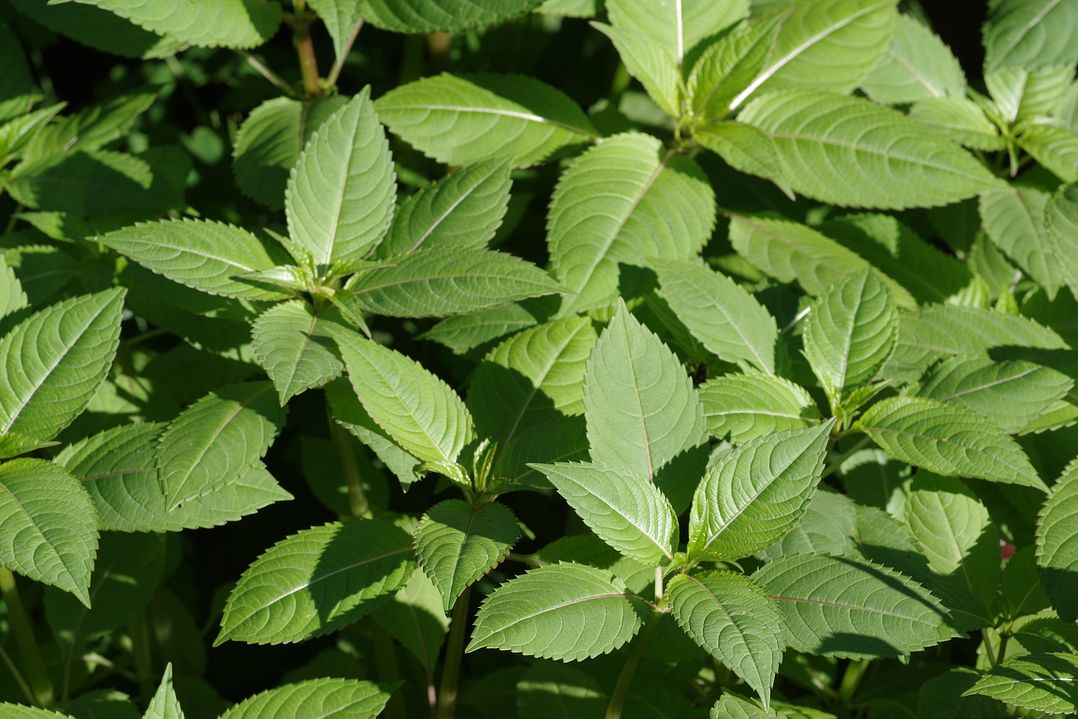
(658,583)
(14,670)
(357,498)
(454,649)
(851,679)
(40,684)
(833,466)
(1001,653)
(270,75)
(335,71)
(625,679)
(385,660)
(308,61)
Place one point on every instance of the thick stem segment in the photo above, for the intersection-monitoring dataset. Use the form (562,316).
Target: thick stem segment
(308,61)
(625,679)
(357,498)
(38,678)
(454,649)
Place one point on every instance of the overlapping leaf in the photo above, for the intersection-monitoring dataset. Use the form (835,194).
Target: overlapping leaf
(206,23)
(1057,543)
(916,66)
(294,344)
(164,704)
(1014,219)
(416,16)
(314,699)
(1029,34)
(1038,682)
(746,406)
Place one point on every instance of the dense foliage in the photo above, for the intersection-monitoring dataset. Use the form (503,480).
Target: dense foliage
(644,359)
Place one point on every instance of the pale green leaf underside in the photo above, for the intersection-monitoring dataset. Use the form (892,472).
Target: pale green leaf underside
(566,612)
(416,408)
(947,439)
(755,493)
(959,118)
(720,313)
(201,254)
(1039,682)
(461,211)
(1054,147)
(314,699)
(449,281)
(731,706)
(342,190)
(316,581)
(206,23)
(649,62)
(629,513)
(676,25)
(339,17)
(640,406)
(624,201)
(1014,219)
(1030,34)
(850,151)
(164,704)
(418,16)
(53,361)
(48,527)
(852,608)
(347,411)
(1057,543)
(462,120)
(456,544)
(1009,393)
(850,332)
(1061,220)
(296,348)
(746,406)
(734,621)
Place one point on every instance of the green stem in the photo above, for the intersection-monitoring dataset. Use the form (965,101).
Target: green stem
(385,661)
(851,680)
(40,684)
(338,66)
(357,498)
(14,670)
(625,679)
(1001,653)
(833,467)
(454,650)
(272,77)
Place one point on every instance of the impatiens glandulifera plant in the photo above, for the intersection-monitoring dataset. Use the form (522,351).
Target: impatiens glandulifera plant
(525,358)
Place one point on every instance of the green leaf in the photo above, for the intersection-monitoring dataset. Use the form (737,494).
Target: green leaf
(849,151)
(640,406)
(204,23)
(461,211)
(755,493)
(416,16)
(649,62)
(1039,682)
(1056,148)
(340,18)
(92,128)
(1057,543)
(947,439)
(201,254)
(314,699)
(48,527)
(1061,221)
(461,120)
(164,704)
(457,544)
(295,345)
(118,469)
(917,66)
(746,406)
(1029,34)
(629,513)
(837,606)
(676,25)
(850,332)
(960,119)
(952,530)
(415,618)
(416,408)
(825,45)
(789,251)
(1010,393)
(549,690)
(731,63)
(1014,219)
(16,133)
(624,201)
(720,313)
(533,377)
(566,612)
(734,621)
(1028,94)
(732,706)
(99,29)
(16,85)
(464,333)
(269,141)
(745,149)
(216,440)
(827,527)
(342,190)
(53,361)
(944,693)
(447,281)
(12,296)
(315,581)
